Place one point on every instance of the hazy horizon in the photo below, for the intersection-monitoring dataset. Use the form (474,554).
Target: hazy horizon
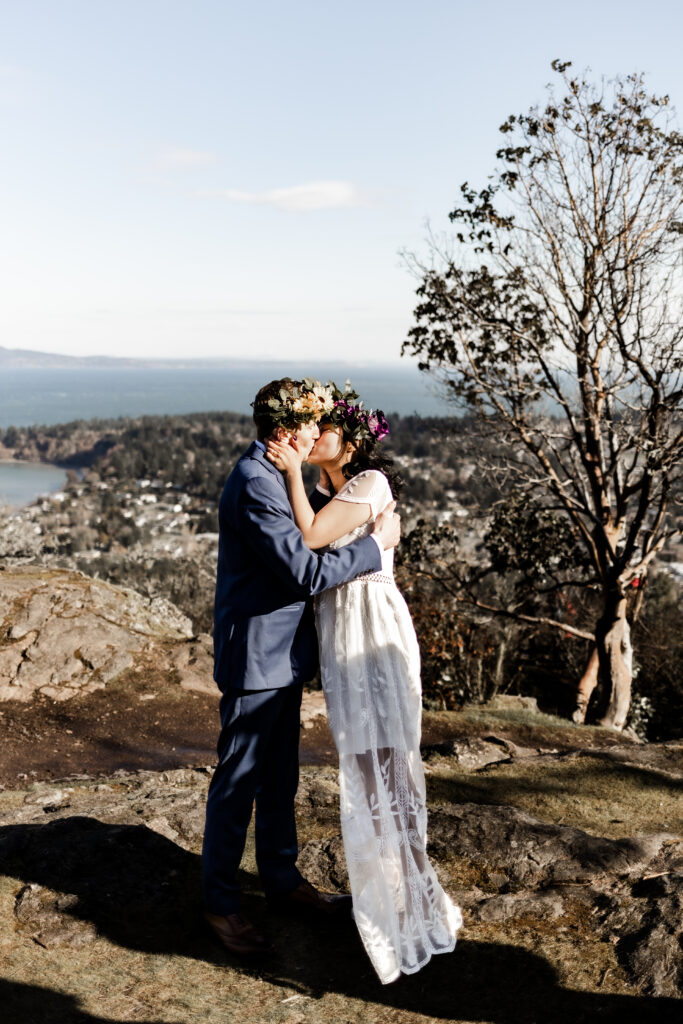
(22,358)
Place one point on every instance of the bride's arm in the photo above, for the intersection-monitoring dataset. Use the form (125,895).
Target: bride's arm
(333,521)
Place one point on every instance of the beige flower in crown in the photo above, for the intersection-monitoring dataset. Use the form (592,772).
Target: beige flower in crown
(324,396)
(307,403)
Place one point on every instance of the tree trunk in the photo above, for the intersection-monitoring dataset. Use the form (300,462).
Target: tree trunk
(498,670)
(587,683)
(613,637)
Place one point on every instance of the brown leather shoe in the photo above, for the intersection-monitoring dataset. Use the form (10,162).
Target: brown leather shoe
(306,897)
(237,934)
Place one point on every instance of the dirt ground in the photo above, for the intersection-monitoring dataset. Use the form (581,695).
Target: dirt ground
(132,724)
(152,962)
(143,722)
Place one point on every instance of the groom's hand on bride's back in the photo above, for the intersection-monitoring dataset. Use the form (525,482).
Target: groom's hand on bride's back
(387,527)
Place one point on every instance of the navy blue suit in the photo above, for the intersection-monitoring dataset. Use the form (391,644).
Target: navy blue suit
(265,648)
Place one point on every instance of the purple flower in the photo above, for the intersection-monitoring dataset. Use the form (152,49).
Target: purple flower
(377,424)
(358,422)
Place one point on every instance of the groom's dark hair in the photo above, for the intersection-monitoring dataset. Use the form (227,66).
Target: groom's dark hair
(266,423)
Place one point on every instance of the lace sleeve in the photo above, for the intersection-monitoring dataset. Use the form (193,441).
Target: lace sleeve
(367,488)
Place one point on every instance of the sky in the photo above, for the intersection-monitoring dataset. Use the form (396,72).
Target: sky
(227,179)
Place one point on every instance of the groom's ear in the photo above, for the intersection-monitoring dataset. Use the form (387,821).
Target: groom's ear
(285,436)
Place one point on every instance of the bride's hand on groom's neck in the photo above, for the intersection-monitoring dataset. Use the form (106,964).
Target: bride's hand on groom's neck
(285,456)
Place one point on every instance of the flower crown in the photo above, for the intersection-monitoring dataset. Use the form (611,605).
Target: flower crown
(302,402)
(357,423)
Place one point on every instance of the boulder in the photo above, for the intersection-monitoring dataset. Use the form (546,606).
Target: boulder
(512,702)
(48,917)
(63,633)
(534,853)
(472,752)
(323,863)
(193,663)
(646,924)
(543,906)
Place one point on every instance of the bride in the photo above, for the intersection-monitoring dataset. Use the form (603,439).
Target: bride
(370,667)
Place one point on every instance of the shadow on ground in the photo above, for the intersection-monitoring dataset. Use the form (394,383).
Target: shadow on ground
(480,981)
(140,890)
(30,1004)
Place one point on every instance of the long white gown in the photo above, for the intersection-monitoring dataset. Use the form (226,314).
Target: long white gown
(370,667)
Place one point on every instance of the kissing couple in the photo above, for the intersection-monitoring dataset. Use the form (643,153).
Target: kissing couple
(304,581)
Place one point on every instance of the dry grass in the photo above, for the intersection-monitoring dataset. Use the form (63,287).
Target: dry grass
(524,972)
(589,793)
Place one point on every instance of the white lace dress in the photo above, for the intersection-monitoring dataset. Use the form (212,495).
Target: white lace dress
(370,666)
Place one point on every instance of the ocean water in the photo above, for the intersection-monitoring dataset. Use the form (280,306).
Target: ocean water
(22,482)
(48,396)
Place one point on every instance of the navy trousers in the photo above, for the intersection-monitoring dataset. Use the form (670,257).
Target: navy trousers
(258,767)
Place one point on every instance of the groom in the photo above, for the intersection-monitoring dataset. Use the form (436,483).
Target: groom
(265,648)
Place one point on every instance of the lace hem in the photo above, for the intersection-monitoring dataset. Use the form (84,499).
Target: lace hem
(414,968)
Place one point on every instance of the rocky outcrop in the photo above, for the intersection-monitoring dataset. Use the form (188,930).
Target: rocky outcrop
(632,888)
(472,752)
(323,862)
(47,917)
(99,860)
(63,633)
(532,853)
(646,923)
(542,906)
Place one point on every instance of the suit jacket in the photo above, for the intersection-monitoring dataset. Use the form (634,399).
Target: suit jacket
(264,632)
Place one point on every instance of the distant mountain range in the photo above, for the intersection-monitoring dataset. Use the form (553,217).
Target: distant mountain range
(19,358)
(24,358)
(16,358)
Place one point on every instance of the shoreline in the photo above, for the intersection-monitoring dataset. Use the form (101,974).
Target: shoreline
(64,466)
(39,480)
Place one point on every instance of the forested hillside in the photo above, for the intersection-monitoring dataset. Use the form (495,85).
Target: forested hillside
(141,510)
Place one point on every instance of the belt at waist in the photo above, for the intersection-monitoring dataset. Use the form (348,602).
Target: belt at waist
(373,577)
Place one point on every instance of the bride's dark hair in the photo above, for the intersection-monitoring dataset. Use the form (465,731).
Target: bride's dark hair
(368,454)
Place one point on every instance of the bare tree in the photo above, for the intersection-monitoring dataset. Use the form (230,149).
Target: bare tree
(555,313)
